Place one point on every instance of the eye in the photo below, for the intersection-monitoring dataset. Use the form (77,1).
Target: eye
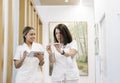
(32,34)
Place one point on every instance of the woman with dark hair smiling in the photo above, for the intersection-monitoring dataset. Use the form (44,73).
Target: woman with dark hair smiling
(63,56)
(29,58)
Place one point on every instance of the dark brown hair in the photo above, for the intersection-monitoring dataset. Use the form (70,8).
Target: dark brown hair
(25,31)
(65,32)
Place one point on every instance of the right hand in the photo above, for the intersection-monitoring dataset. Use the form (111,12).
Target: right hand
(18,63)
(48,48)
(41,62)
(25,53)
(40,56)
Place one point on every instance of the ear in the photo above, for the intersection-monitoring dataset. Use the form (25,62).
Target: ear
(25,36)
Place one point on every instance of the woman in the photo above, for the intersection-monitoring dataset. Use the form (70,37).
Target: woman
(28,59)
(63,56)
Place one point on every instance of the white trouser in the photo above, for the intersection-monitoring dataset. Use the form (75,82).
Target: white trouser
(66,81)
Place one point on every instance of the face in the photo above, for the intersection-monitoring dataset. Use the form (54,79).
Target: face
(59,36)
(30,37)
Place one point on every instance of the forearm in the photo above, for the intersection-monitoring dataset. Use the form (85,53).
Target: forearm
(41,64)
(52,57)
(18,63)
(70,53)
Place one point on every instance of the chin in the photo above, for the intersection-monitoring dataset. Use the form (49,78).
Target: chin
(32,41)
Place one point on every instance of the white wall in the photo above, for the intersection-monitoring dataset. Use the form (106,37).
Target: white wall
(71,13)
(112,32)
(16,32)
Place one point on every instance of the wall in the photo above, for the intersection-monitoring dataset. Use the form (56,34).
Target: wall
(110,8)
(5,39)
(71,13)
(55,13)
(16,28)
(8,37)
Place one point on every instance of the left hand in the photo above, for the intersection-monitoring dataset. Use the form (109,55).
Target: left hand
(40,56)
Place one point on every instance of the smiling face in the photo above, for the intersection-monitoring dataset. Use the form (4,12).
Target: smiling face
(30,36)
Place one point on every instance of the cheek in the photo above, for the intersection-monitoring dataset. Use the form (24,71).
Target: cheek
(33,37)
(58,35)
(28,37)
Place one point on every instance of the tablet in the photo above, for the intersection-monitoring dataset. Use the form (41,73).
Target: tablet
(32,53)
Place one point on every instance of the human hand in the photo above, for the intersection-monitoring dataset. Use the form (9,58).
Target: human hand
(40,56)
(25,53)
(48,48)
(41,62)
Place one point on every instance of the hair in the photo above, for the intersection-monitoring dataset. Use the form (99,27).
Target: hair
(25,31)
(65,32)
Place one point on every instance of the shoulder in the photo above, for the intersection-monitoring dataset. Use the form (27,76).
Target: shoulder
(73,42)
(36,44)
(74,45)
(19,46)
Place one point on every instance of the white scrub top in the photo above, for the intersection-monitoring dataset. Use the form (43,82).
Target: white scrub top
(65,67)
(30,71)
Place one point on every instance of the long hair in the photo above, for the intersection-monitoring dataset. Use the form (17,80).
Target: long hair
(25,31)
(65,32)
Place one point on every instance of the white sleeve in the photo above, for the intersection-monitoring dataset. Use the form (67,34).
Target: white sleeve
(74,45)
(17,53)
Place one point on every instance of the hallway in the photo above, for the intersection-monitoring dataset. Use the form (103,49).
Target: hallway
(103,22)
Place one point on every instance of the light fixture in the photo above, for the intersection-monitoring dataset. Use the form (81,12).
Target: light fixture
(66,1)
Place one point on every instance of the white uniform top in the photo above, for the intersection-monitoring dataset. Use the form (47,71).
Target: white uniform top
(65,67)
(30,71)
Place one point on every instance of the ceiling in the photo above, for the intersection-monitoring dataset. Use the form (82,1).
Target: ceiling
(62,2)
(59,2)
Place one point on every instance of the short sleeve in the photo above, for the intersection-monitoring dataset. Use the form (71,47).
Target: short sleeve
(74,45)
(17,53)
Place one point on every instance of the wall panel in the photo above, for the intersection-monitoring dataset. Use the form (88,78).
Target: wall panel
(1,41)
(10,43)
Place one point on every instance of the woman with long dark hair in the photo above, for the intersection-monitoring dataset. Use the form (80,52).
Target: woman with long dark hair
(63,56)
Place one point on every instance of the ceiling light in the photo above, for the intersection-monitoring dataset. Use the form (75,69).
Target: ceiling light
(66,0)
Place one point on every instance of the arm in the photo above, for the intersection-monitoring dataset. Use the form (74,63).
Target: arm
(52,57)
(18,63)
(41,59)
(40,56)
(51,54)
(71,53)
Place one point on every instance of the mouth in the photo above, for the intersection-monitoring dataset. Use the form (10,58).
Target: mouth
(33,39)
(59,40)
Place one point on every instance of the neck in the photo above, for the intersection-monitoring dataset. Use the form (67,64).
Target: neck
(29,44)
